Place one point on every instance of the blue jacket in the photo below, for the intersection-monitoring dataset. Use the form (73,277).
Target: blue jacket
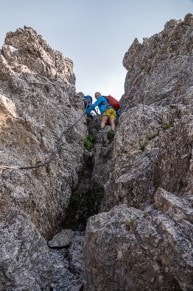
(102,104)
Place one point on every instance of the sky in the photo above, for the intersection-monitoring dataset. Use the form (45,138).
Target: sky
(94,34)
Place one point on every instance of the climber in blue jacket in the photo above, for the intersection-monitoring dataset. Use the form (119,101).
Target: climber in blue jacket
(105,109)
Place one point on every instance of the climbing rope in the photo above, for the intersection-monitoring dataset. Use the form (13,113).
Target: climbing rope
(52,156)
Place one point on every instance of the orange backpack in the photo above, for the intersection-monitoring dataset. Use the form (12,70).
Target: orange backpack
(113,102)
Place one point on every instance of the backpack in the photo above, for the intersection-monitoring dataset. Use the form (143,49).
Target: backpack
(87,101)
(113,102)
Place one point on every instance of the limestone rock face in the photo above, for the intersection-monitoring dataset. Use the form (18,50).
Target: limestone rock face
(150,172)
(25,260)
(152,149)
(153,144)
(160,69)
(130,249)
(40,120)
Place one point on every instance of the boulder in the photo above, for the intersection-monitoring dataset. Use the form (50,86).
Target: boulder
(130,249)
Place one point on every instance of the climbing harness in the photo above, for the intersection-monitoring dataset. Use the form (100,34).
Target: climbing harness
(52,156)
